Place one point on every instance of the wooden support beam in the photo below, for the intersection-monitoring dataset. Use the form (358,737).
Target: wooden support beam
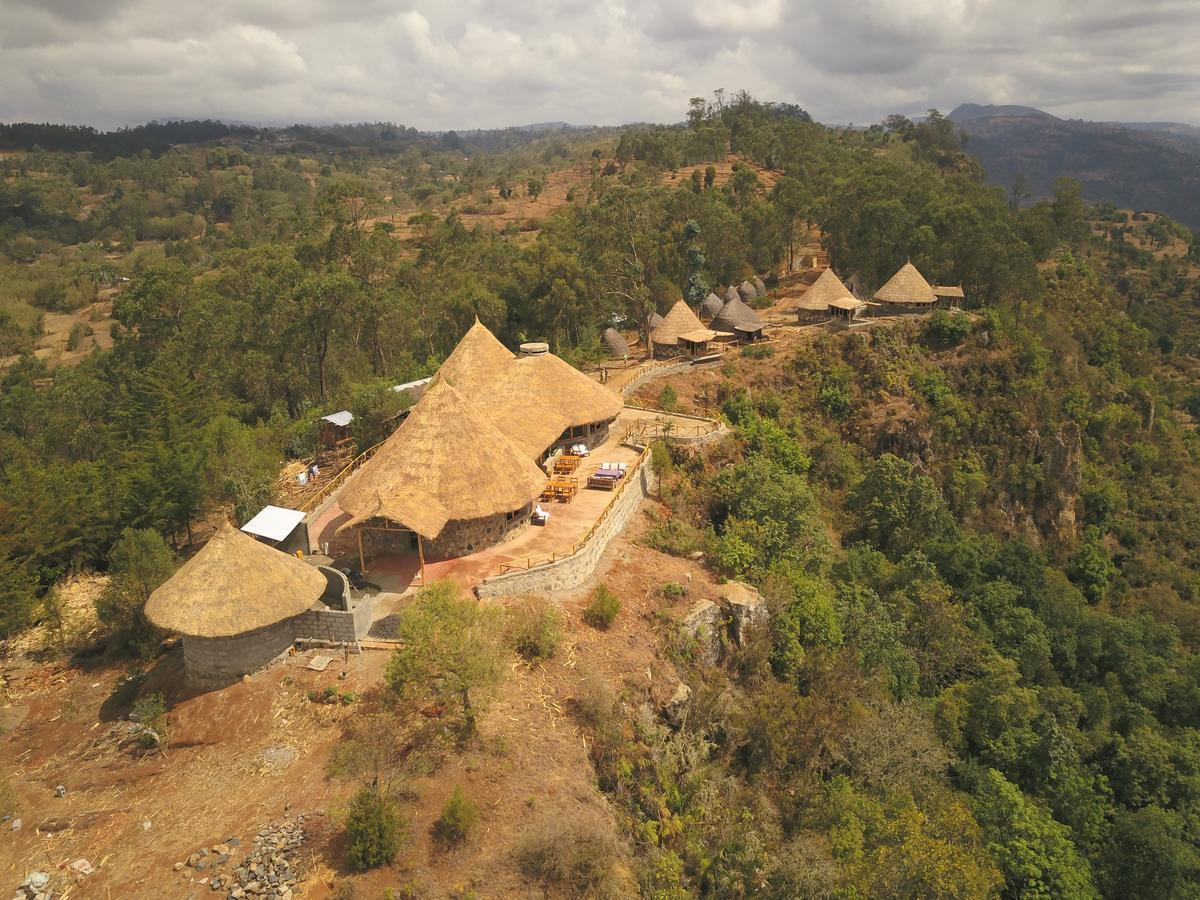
(421,556)
(362,562)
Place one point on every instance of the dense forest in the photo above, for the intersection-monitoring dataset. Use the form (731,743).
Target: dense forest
(976,533)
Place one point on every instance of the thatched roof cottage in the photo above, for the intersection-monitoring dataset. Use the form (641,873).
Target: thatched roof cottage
(681,333)
(739,319)
(907,291)
(614,342)
(234,602)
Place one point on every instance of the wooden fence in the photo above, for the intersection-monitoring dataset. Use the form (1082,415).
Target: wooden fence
(338,480)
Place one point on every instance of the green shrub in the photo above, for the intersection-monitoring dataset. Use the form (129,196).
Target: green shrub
(603,608)
(758,351)
(139,562)
(78,332)
(673,590)
(535,628)
(668,400)
(458,818)
(373,830)
(150,711)
(946,329)
(675,536)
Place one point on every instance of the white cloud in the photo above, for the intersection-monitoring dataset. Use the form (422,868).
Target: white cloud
(487,63)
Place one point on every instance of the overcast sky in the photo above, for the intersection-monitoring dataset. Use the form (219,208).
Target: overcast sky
(489,63)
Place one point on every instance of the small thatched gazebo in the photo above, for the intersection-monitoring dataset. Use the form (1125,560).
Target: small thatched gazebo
(447,480)
(814,306)
(681,332)
(711,306)
(614,342)
(747,291)
(739,319)
(731,293)
(234,602)
(759,286)
(907,291)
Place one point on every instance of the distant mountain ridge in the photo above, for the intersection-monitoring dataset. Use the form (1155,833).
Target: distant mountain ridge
(1141,165)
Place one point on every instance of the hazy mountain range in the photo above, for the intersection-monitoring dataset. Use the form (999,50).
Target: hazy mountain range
(1141,165)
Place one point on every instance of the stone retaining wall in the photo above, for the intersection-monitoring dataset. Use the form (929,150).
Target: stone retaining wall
(575,569)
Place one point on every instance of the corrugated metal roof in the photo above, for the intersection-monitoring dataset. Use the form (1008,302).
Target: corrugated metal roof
(274,523)
(409,385)
(340,419)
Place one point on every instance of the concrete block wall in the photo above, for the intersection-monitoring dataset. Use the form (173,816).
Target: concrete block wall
(212,662)
(575,569)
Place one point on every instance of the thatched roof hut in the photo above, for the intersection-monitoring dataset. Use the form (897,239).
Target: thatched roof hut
(678,321)
(711,306)
(747,291)
(738,318)
(826,289)
(655,320)
(614,342)
(759,286)
(232,585)
(477,362)
(907,287)
(731,293)
(447,461)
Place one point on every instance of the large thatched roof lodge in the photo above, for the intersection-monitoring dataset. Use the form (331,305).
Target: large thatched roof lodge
(462,472)
(239,603)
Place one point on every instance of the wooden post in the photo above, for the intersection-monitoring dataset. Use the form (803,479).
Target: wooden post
(421,556)
(362,562)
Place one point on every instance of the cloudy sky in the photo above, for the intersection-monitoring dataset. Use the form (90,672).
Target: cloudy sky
(437,64)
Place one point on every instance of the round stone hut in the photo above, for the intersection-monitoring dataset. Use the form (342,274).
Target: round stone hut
(907,292)
(814,306)
(235,603)
(681,332)
(740,320)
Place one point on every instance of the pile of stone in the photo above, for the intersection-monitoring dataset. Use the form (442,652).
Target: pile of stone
(269,870)
(35,887)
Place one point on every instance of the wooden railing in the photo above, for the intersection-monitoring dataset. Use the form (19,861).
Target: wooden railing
(644,430)
(337,480)
(532,562)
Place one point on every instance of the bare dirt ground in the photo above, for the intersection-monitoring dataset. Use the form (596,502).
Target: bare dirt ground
(254,752)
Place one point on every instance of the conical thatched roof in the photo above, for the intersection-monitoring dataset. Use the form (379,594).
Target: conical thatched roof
(234,584)
(759,286)
(543,393)
(731,293)
(711,306)
(615,343)
(446,461)
(827,288)
(477,362)
(906,286)
(746,291)
(737,316)
(655,321)
(679,320)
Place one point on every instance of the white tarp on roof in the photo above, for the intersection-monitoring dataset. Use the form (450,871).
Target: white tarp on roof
(340,419)
(274,523)
(409,385)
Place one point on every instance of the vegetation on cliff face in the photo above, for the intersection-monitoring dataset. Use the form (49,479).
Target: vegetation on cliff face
(976,533)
